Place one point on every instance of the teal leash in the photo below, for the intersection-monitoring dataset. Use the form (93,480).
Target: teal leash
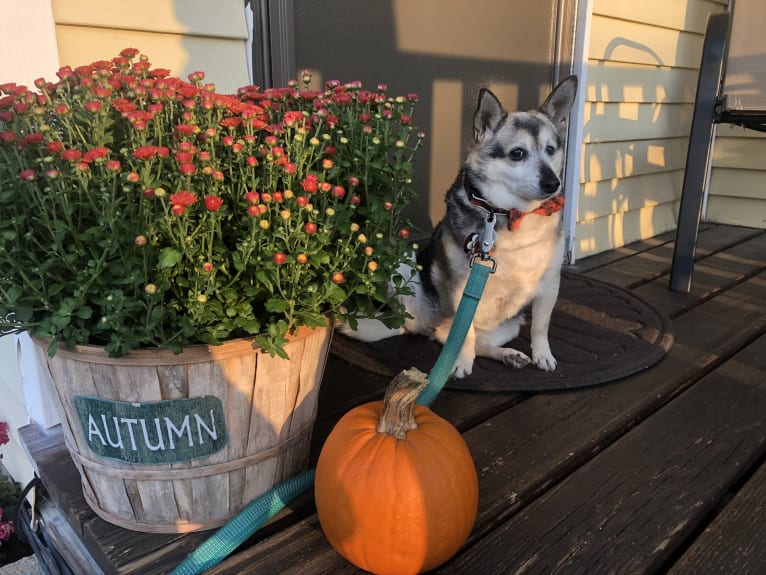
(256,514)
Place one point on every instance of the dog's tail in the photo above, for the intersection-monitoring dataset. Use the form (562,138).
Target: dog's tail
(368,330)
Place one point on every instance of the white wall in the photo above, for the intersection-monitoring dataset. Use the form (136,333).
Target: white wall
(27,52)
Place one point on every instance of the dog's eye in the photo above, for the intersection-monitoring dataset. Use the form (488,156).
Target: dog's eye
(550,150)
(517,154)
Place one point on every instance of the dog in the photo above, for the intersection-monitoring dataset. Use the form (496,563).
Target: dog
(512,176)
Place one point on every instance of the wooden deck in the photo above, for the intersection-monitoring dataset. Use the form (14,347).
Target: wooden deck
(661,472)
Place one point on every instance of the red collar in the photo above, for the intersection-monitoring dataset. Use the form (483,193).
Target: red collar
(547,208)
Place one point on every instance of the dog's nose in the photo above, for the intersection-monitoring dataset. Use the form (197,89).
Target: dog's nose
(549,183)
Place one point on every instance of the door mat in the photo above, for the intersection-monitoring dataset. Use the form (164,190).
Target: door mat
(599,333)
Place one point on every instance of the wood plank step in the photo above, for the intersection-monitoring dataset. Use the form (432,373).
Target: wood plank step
(608,516)
(522,451)
(653,263)
(735,542)
(717,272)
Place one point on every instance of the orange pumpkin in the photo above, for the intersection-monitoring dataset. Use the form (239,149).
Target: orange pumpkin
(396,488)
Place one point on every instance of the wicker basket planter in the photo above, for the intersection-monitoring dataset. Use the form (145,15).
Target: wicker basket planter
(174,443)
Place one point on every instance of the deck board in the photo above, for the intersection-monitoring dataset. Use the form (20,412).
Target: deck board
(736,541)
(523,450)
(617,478)
(609,516)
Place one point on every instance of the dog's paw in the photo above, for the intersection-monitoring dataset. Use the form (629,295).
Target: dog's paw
(515,358)
(463,367)
(546,361)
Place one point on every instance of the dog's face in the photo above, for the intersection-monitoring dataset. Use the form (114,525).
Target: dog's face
(517,158)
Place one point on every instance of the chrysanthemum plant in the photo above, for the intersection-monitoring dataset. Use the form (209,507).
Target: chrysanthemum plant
(141,210)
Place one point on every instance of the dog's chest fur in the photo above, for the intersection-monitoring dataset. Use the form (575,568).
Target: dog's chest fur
(528,258)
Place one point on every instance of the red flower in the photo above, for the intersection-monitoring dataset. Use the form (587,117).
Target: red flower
(208,267)
(187,169)
(33,139)
(183,198)
(93,106)
(71,155)
(95,154)
(252,197)
(310,228)
(338,278)
(27,175)
(146,152)
(4,433)
(338,191)
(279,258)
(405,120)
(113,165)
(186,129)
(7,137)
(213,203)
(129,52)
(230,122)
(52,147)
(310,184)
(293,118)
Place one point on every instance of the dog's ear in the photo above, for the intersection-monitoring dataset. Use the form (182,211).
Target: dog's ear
(560,101)
(488,116)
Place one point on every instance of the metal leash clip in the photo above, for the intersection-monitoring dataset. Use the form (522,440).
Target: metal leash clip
(482,244)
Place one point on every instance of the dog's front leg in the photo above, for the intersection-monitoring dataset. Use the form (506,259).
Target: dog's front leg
(464,362)
(542,308)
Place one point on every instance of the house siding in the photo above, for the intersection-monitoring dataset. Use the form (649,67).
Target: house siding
(642,73)
(737,189)
(183,36)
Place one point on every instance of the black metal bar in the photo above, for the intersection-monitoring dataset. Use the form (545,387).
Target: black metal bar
(700,141)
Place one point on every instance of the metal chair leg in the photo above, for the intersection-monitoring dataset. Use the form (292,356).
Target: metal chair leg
(698,155)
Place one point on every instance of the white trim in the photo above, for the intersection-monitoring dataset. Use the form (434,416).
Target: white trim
(576,124)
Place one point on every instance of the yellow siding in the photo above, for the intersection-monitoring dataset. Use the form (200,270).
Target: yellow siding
(642,76)
(747,212)
(738,178)
(182,36)
(622,159)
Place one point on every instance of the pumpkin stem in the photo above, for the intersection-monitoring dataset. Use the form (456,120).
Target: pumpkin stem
(398,415)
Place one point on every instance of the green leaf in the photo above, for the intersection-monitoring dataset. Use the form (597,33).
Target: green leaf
(84,312)
(169,257)
(277,305)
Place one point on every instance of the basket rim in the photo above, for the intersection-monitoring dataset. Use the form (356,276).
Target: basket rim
(196,353)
